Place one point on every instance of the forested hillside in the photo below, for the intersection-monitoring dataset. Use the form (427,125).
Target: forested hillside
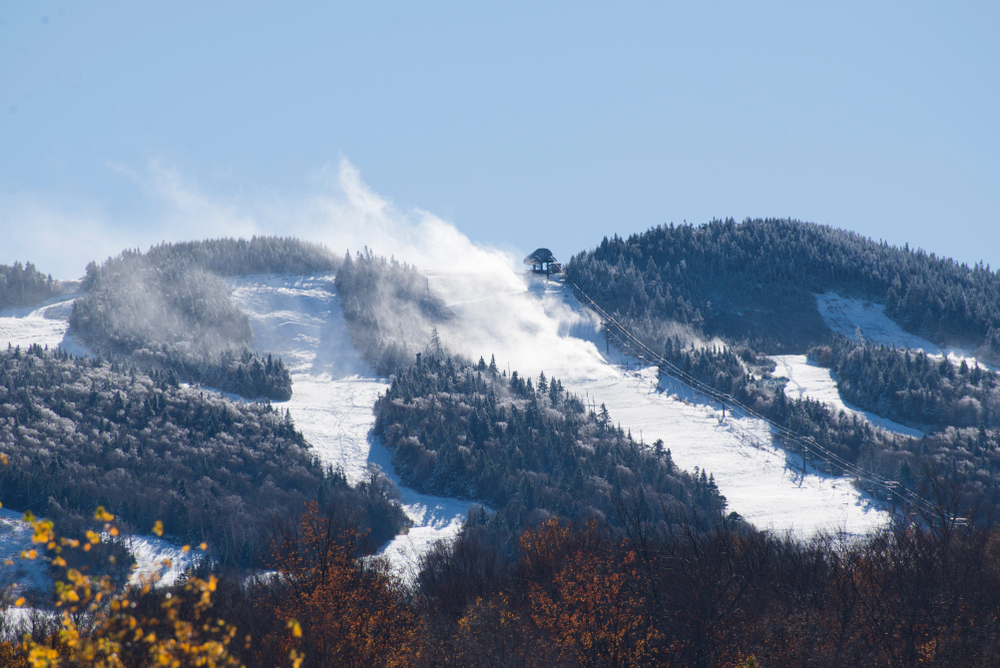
(82,432)
(168,309)
(532,451)
(754,281)
(242,257)
(912,388)
(24,285)
(390,310)
(644,592)
(594,549)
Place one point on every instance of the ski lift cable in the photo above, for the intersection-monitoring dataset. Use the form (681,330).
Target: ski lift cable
(808,443)
(701,387)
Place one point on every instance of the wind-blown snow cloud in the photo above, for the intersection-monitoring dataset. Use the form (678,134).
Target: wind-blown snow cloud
(334,206)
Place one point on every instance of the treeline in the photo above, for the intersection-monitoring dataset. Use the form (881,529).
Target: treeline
(530,450)
(654,593)
(755,281)
(390,310)
(165,312)
(910,387)
(646,591)
(23,285)
(242,257)
(82,432)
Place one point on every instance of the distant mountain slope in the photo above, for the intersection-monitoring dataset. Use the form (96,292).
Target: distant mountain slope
(536,326)
(754,281)
(754,285)
(301,318)
(169,309)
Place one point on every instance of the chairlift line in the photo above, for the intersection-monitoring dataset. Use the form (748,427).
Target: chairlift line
(808,443)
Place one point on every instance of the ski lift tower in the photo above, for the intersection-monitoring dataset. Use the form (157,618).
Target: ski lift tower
(543,263)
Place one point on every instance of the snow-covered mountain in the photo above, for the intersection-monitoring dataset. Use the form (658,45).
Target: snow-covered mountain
(531,326)
(534,327)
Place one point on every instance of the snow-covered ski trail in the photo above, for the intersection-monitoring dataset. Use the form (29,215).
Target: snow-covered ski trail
(299,319)
(539,326)
(808,380)
(46,324)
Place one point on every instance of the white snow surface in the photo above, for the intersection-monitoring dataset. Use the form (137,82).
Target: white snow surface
(535,325)
(299,319)
(845,315)
(159,557)
(46,324)
(808,380)
(848,316)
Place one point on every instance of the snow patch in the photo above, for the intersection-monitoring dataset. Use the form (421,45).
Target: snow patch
(807,380)
(299,319)
(151,553)
(46,324)
(21,577)
(847,316)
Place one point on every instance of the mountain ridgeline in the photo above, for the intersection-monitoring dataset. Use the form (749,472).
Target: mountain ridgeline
(169,309)
(755,281)
(753,285)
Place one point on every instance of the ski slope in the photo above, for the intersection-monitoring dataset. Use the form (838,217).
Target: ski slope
(46,324)
(807,380)
(535,325)
(299,319)
(853,316)
(856,317)
(530,326)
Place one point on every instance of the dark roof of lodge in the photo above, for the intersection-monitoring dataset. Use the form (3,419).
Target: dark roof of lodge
(539,256)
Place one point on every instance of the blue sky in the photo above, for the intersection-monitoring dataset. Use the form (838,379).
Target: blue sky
(523,124)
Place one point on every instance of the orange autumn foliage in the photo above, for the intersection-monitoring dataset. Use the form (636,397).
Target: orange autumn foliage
(340,611)
(590,607)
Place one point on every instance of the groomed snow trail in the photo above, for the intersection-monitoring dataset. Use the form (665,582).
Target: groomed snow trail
(46,324)
(537,326)
(851,317)
(848,316)
(299,319)
(807,380)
